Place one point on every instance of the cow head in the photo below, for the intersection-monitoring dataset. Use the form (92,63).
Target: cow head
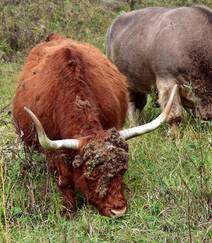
(203,109)
(101,162)
(200,81)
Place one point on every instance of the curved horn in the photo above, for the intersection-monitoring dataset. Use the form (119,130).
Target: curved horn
(45,142)
(136,131)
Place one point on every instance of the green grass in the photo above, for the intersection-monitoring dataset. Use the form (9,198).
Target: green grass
(169,182)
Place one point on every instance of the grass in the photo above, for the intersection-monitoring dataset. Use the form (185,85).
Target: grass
(169,185)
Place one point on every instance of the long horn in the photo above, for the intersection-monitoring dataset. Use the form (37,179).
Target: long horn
(45,142)
(136,131)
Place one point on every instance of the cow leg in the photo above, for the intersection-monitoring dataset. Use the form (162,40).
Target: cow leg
(69,202)
(66,187)
(64,182)
(131,114)
(154,96)
(137,102)
(139,99)
(188,99)
(165,87)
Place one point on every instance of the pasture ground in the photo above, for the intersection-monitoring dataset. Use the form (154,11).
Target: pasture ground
(169,182)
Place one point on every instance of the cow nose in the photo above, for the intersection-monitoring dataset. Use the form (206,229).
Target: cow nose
(118,212)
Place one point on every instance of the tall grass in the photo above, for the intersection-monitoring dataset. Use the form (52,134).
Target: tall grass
(168,181)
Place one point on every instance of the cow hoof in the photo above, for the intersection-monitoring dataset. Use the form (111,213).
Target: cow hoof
(173,132)
(68,214)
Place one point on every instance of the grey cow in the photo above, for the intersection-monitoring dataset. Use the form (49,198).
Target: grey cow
(160,47)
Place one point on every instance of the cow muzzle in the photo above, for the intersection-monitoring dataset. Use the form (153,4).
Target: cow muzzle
(116,213)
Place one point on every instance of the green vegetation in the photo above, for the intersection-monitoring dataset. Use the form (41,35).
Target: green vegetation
(169,182)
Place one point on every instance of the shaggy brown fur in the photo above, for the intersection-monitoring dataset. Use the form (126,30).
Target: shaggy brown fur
(76,93)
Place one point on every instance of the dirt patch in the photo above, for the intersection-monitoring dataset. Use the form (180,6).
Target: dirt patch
(108,157)
(199,79)
(202,80)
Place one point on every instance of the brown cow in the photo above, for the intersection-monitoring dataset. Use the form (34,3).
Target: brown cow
(77,93)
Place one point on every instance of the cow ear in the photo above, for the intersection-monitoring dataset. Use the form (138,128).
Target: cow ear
(66,55)
(54,36)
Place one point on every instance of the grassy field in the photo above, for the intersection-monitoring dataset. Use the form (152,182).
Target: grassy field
(169,182)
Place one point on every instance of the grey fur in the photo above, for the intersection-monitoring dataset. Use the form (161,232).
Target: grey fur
(164,46)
